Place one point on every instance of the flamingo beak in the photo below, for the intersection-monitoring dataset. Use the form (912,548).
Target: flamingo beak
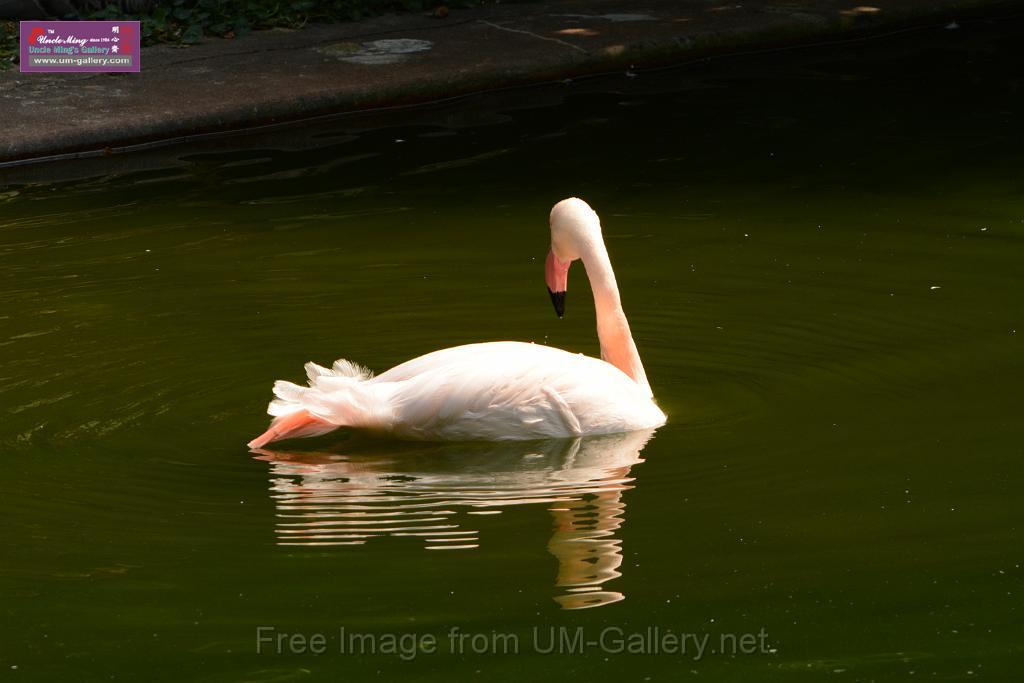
(556,273)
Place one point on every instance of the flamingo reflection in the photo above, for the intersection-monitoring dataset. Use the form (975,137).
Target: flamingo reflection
(433,491)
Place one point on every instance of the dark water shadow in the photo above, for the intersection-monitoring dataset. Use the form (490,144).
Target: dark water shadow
(434,492)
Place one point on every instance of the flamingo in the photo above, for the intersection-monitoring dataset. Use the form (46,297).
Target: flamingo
(494,391)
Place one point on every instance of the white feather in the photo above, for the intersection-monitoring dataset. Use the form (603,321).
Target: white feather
(494,391)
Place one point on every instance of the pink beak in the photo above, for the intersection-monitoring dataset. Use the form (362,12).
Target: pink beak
(556,273)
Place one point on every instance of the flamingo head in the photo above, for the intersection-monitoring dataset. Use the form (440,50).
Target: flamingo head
(574,229)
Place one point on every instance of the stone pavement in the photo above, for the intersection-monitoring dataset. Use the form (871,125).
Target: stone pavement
(282,75)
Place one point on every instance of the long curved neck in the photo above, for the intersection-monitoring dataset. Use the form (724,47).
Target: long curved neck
(617,346)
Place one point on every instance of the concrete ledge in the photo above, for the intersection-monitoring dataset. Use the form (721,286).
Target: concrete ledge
(274,76)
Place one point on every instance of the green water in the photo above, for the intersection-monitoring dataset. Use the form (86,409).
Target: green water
(820,256)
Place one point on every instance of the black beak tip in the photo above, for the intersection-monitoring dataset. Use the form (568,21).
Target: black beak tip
(558,299)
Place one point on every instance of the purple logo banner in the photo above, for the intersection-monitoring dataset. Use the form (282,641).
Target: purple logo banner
(77,46)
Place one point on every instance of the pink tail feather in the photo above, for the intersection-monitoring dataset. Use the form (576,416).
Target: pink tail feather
(293,426)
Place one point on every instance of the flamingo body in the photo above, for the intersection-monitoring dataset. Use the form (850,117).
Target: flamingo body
(496,391)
